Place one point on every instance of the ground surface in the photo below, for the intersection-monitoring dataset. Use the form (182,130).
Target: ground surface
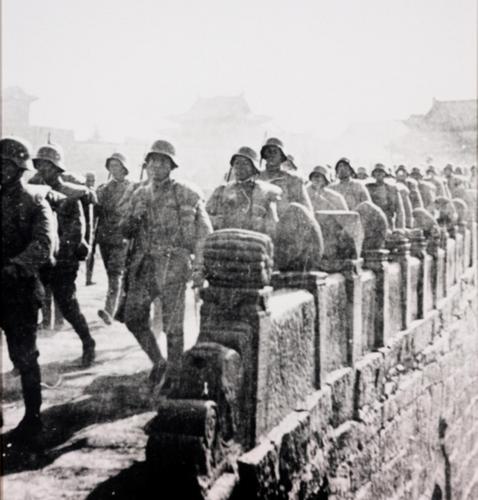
(94,441)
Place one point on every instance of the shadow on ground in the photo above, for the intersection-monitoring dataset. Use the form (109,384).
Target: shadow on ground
(106,399)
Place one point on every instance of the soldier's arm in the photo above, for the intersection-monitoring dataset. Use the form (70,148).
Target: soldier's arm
(304,198)
(40,249)
(214,208)
(134,210)
(203,228)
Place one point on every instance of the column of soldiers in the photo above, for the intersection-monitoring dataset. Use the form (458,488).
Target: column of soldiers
(151,236)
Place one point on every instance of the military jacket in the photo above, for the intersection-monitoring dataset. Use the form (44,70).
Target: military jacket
(353,191)
(27,235)
(113,198)
(292,186)
(245,205)
(326,199)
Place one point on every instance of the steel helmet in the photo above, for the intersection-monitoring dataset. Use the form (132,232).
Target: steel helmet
(121,158)
(320,170)
(52,153)
(249,153)
(274,141)
(16,150)
(346,161)
(161,147)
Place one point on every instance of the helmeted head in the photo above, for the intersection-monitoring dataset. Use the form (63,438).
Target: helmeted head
(344,170)
(49,162)
(160,160)
(380,172)
(448,170)
(273,152)
(416,173)
(245,163)
(164,148)
(431,170)
(362,173)
(320,176)
(459,171)
(401,173)
(117,165)
(15,158)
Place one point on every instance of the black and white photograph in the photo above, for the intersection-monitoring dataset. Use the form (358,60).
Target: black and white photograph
(239,250)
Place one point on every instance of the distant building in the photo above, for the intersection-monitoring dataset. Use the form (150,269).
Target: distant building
(447,133)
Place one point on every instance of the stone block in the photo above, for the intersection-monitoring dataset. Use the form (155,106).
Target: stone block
(369,380)
(319,406)
(341,383)
(422,335)
(368,311)
(286,359)
(394,295)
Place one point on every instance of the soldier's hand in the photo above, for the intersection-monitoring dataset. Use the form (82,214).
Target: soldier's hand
(197,278)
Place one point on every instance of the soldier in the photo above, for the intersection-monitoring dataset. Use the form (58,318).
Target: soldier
(292,185)
(71,230)
(440,185)
(112,199)
(168,222)
(321,196)
(402,177)
(245,203)
(387,197)
(27,244)
(348,186)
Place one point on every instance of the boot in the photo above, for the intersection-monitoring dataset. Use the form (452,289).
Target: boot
(89,353)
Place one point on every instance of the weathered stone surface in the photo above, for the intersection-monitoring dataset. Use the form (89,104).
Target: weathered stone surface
(298,244)
(375,225)
(425,221)
(343,237)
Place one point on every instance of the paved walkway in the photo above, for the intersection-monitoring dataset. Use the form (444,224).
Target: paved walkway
(94,443)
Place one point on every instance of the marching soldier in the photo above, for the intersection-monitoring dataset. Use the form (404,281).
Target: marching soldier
(321,196)
(440,185)
(292,185)
(387,197)
(71,230)
(168,222)
(402,177)
(27,244)
(245,203)
(362,174)
(427,190)
(348,186)
(112,198)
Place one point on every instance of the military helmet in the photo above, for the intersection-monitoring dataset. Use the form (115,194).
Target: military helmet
(345,161)
(119,157)
(431,170)
(274,141)
(380,167)
(16,150)
(401,168)
(416,173)
(52,153)
(163,148)
(249,153)
(448,168)
(320,170)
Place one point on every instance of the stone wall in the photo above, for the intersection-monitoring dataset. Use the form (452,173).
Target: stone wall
(402,423)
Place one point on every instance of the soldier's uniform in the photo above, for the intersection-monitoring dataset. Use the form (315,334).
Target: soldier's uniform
(406,203)
(27,239)
(427,189)
(168,223)
(387,197)
(112,201)
(73,248)
(250,204)
(353,190)
(324,198)
(292,185)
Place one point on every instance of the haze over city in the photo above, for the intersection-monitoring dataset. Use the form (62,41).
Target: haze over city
(123,67)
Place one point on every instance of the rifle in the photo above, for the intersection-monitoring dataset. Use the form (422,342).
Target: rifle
(120,310)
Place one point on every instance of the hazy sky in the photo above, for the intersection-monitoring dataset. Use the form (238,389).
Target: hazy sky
(122,65)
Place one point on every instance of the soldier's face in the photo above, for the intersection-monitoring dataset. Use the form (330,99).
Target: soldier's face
(90,181)
(48,171)
(401,176)
(118,172)
(318,180)
(343,171)
(379,176)
(273,156)
(10,172)
(159,167)
(242,168)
